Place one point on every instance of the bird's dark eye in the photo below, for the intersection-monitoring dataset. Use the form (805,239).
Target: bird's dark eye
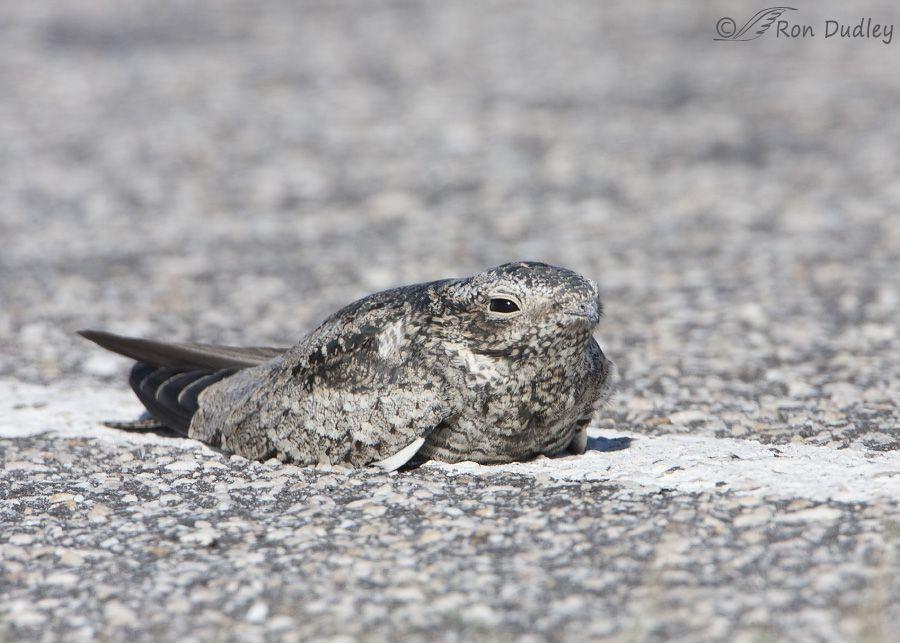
(501,305)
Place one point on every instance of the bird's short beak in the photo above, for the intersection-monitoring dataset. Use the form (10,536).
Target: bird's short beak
(588,310)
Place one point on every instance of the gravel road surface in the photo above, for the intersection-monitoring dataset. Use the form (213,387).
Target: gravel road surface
(235,171)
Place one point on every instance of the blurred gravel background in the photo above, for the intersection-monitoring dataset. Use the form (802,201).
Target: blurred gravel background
(234,171)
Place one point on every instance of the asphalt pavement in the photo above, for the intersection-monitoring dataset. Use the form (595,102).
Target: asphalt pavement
(235,171)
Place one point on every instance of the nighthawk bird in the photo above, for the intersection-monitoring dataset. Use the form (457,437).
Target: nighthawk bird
(493,368)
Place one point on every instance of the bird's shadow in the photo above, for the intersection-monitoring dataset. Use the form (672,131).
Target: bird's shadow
(608,444)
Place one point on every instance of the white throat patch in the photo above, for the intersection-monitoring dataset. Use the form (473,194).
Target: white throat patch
(484,368)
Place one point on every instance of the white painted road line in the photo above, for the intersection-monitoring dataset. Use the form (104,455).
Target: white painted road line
(683,463)
(692,464)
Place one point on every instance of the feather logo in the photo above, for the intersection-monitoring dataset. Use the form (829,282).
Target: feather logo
(753,28)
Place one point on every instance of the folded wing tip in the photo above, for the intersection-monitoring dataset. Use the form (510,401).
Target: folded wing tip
(93,335)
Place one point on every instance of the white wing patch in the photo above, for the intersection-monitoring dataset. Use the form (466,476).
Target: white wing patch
(391,342)
(404,455)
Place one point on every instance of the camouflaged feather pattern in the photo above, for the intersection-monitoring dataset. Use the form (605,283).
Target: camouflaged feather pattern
(428,360)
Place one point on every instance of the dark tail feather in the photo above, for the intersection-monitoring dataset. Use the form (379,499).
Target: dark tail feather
(168,377)
(144,424)
(170,394)
(187,396)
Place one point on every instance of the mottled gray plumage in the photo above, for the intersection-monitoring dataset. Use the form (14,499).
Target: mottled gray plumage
(497,367)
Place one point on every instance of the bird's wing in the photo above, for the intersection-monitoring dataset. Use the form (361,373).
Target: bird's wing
(169,377)
(183,355)
(361,389)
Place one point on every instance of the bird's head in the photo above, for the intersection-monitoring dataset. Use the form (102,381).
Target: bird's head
(519,311)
